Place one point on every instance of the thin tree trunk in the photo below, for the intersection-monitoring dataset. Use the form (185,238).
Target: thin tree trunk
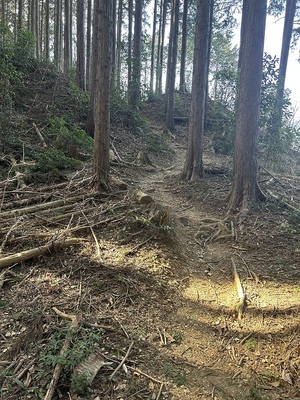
(119,39)
(31,16)
(47,44)
(20,15)
(37,29)
(136,56)
(42,28)
(57,28)
(182,85)
(71,33)
(80,67)
(67,36)
(15,22)
(28,14)
(129,56)
(160,54)
(113,39)
(193,167)
(3,18)
(88,40)
(172,63)
(153,47)
(285,48)
(158,46)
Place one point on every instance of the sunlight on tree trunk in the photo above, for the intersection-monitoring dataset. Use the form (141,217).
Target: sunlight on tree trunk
(245,189)
(102,97)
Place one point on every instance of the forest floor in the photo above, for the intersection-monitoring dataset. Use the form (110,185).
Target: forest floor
(149,288)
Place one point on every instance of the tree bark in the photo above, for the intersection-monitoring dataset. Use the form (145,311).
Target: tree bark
(80,69)
(88,40)
(172,63)
(113,39)
(71,33)
(118,44)
(161,39)
(47,27)
(245,189)
(153,47)
(182,85)
(67,36)
(129,55)
(102,97)
(136,56)
(20,15)
(193,167)
(57,34)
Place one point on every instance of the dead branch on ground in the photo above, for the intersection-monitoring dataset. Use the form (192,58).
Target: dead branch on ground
(57,370)
(37,251)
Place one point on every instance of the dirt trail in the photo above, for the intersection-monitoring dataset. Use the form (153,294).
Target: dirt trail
(223,359)
(168,290)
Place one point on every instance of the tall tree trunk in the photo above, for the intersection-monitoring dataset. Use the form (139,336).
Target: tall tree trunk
(57,33)
(28,14)
(20,15)
(15,21)
(42,27)
(161,39)
(37,29)
(193,167)
(172,63)
(31,16)
(136,56)
(3,18)
(80,65)
(88,40)
(113,39)
(71,33)
(67,36)
(290,11)
(182,85)
(90,124)
(47,27)
(245,189)
(153,47)
(119,43)
(102,97)
(129,55)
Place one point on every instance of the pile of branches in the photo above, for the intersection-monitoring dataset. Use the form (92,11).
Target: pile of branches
(36,220)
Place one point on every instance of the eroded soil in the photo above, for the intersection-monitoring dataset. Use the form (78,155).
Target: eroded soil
(164,292)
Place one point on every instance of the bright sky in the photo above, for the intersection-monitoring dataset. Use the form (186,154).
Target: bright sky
(273,41)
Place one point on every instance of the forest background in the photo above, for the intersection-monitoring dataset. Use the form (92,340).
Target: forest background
(88,89)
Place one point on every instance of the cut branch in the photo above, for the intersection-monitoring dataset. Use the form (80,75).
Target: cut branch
(37,251)
(57,370)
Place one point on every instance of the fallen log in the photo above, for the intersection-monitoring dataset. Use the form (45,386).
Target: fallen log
(142,198)
(37,251)
(37,207)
